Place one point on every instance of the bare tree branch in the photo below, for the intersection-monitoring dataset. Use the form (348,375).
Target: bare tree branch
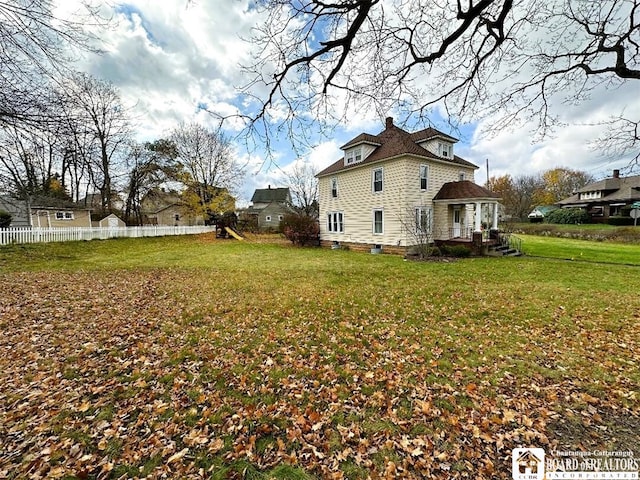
(320,62)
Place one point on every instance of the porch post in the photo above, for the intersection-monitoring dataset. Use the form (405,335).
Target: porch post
(494,226)
(477,227)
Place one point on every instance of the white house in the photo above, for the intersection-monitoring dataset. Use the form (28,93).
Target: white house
(387,186)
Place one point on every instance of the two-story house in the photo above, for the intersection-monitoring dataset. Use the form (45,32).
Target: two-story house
(268,208)
(388,186)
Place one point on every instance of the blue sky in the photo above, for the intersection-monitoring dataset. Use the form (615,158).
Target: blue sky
(174,60)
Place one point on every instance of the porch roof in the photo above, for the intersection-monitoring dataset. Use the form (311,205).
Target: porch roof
(465,190)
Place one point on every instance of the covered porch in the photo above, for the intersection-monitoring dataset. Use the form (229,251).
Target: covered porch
(466,214)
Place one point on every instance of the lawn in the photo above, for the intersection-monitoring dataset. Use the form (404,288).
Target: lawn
(191,357)
(581,250)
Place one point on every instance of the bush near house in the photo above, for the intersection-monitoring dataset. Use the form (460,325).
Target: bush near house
(568,216)
(455,251)
(5,219)
(300,229)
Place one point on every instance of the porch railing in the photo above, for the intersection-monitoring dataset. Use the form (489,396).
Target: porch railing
(511,241)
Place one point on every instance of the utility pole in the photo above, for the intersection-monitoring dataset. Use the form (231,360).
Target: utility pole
(487,172)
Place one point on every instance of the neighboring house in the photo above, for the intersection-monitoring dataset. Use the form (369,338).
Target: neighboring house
(47,212)
(268,207)
(19,210)
(94,202)
(388,187)
(161,207)
(54,212)
(606,198)
(540,212)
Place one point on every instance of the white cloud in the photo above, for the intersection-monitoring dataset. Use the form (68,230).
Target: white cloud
(175,60)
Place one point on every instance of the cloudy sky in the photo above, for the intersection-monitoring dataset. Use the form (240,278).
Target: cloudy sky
(173,60)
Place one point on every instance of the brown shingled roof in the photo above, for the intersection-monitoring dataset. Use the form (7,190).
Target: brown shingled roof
(463,189)
(392,142)
(362,138)
(622,189)
(427,133)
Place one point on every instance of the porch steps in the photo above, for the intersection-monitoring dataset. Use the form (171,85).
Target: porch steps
(504,251)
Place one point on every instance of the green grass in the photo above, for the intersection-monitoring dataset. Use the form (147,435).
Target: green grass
(581,250)
(268,361)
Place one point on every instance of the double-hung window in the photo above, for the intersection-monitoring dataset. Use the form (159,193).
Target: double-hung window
(423,220)
(354,155)
(377,180)
(445,150)
(378,222)
(334,187)
(335,222)
(424,173)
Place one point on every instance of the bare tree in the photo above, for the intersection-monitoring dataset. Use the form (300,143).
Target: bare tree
(417,224)
(30,162)
(210,170)
(303,186)
(621,138)
(99,125)
(36,51)
(322,61)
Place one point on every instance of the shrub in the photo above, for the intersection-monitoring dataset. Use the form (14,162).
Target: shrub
(455,250)
(5,219)
(568,216)
(300,229)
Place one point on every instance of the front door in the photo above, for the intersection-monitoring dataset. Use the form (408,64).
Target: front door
(456,222)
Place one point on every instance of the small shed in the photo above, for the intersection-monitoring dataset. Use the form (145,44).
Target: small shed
(539,213)
(111,221)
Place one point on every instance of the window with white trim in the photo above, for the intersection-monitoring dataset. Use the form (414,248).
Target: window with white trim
(376,180)
(64,215)
(335,222)
(378,221)
(444,149)
(280,217)
(334,187)
(268,218)
(354,155)
(424,173)
(424,219)
(461,176)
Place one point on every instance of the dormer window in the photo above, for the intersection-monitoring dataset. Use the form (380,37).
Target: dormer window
(354,156)
(445,150)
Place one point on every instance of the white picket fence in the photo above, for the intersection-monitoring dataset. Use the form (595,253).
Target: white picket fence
(58,234)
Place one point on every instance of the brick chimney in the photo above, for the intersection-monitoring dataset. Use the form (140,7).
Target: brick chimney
(616,173)
(389,122)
